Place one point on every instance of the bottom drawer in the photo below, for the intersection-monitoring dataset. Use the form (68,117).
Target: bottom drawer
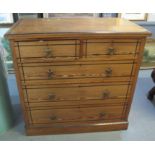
(75,114)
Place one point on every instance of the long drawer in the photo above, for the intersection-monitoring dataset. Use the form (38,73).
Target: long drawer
(43,116)
(53,82)
(79,103)
(50,72)
(81,92)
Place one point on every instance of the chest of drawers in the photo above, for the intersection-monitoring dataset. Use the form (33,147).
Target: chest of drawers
(76,75)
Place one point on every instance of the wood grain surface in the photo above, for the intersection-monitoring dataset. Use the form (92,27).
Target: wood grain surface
(76,75)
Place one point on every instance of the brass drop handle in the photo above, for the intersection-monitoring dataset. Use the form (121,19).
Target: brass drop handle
(108,71)
(50,73)
(106,94)
(53,117)
(51,96)
(48,52)
(102,114)
(111,51)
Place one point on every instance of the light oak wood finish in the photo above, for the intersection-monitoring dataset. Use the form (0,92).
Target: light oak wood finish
(76,71)
(48,49)
(78,103)
(69,50)
(53,82)
(75,114)
(76,75)
(74,26)
(89,92)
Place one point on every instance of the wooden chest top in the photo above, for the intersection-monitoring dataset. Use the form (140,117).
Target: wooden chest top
(69,26)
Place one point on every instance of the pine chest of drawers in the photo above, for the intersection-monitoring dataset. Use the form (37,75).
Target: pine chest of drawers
(76,75)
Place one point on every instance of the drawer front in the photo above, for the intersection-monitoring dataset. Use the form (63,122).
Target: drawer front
(76,71)
(76,114)
(48,50)
(116,49)
(89,92)
(81,103)
(40,83)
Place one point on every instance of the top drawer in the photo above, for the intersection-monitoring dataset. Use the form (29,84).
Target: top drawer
(48,49)
(110,49)
(69,50)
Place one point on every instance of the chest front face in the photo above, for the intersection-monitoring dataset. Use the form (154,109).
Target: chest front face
(76,82)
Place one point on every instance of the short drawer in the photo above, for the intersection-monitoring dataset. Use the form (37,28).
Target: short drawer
(48,49)
(42,116)
(76,92)
(50,72)
(115,49)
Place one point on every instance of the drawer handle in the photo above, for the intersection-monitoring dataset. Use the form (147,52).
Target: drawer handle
(106,94)
(111,51)
(108,71)
(48,52)
(50,74)
(53,118)
(102,114)
(51,96)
